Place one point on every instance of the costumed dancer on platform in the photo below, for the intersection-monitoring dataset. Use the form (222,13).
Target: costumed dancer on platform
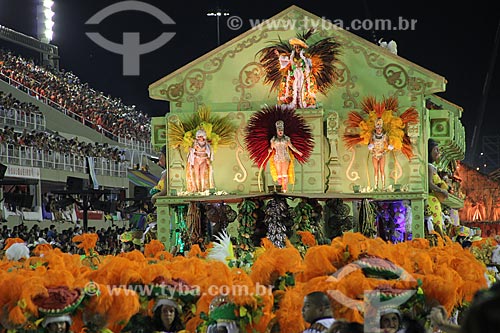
(383,130)
(378,146)
(151,231)
(280,145)
(199,136)
(299,88)
(199,173)
(57,324)
(298,69)
(266,141)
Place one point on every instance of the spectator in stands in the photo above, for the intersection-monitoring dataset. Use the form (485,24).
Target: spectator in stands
(108,241)
(53,144)
(51,234)
(15,112)
(64,91)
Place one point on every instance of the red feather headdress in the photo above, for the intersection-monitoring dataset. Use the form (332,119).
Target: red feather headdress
(261,128)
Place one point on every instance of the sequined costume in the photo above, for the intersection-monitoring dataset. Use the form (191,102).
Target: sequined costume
(265,137)
(281,147)
(281,153)
(380,145)
(298,88)
(301,67)
(382,129)
(199,172)
(282,170)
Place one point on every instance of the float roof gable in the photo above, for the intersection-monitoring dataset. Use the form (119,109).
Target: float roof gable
(270,28)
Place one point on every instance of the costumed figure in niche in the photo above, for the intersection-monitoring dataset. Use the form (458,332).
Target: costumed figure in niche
(199,172)
(382,130)
(200,136)
(299,87)
(438,190)
(298,70)
(266,141)
(378,146)
(281,144)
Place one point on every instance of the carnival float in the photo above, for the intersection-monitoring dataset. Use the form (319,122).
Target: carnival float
(295,161)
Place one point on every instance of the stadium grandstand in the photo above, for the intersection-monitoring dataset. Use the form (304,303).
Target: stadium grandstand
(59,137)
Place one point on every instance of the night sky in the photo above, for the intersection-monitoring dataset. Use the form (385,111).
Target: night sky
(458,46)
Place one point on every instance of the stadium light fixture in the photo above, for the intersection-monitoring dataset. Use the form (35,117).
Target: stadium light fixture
(218,13)
(48,14)
(48,20)
(48,34)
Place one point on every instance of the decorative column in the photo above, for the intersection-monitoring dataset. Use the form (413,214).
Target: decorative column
(417,210)
(332,179)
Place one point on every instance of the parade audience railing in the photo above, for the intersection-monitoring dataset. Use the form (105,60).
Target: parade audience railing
(61,237)
(34,157)
(57,106)
(21,119)
(137,145)
(64,92)
(129,143)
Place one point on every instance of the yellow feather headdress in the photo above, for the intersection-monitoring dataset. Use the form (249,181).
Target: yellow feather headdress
(220,131)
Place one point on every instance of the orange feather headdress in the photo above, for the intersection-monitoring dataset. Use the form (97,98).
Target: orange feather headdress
(384,113)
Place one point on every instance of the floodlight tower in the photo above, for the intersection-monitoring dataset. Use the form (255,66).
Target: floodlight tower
(48,22)
(45,17)
(218,13)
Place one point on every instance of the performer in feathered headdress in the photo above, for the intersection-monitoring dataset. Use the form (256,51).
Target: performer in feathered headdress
(199,136)
(298,70)
(57,307)
(382,131)
(266,141)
